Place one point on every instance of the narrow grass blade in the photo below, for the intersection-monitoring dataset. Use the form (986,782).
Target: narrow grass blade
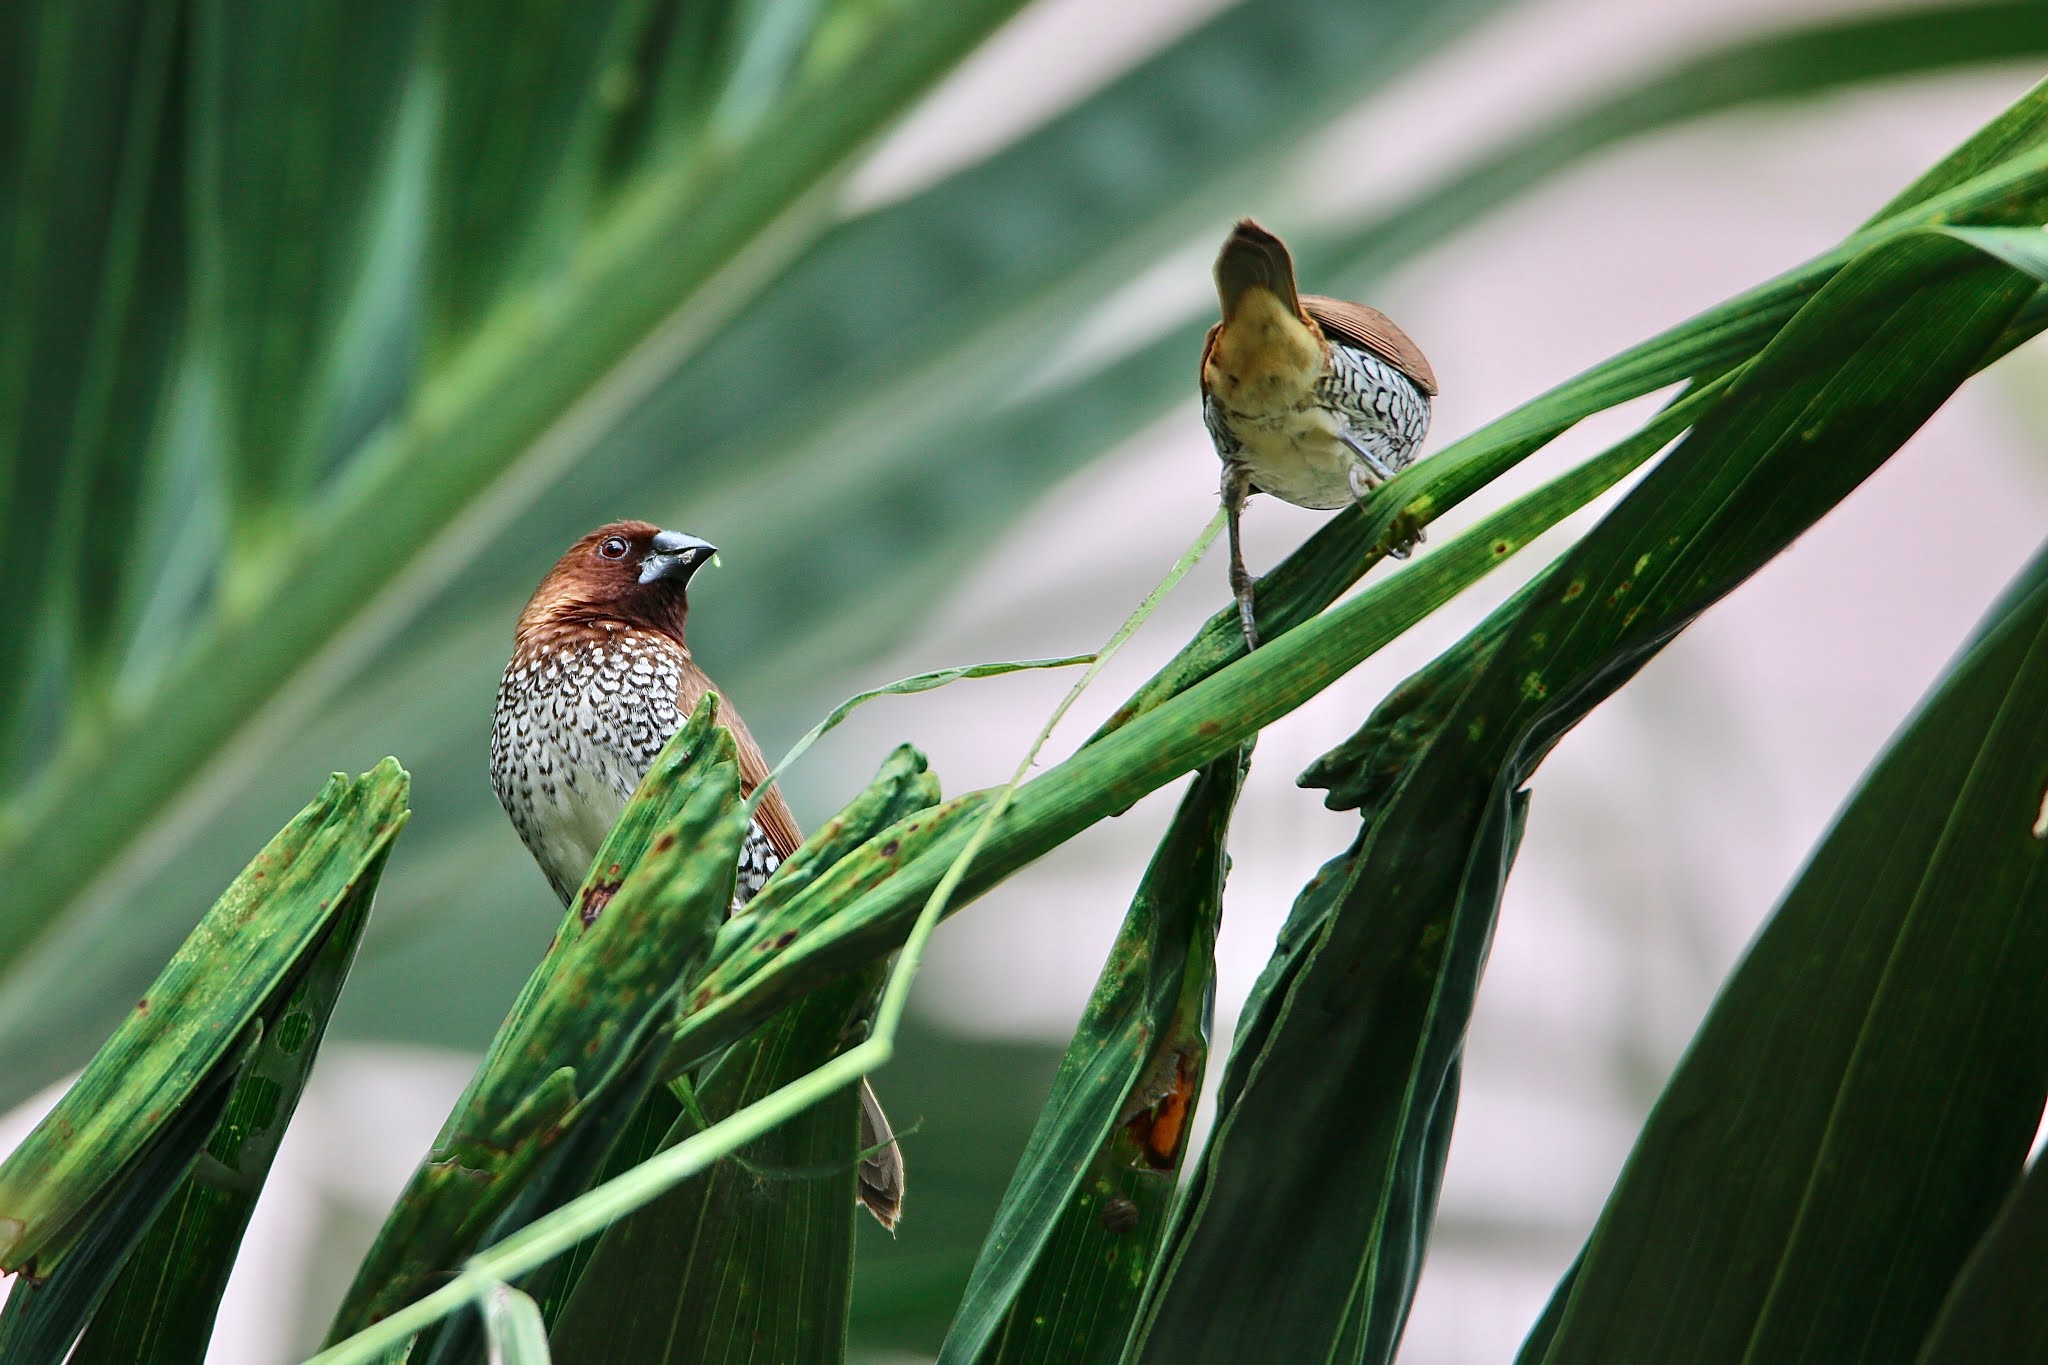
(916,682)
(573,1050)
(1062,1271)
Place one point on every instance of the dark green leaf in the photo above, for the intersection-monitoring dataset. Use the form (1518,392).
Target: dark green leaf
(45,1313)
(1064,1268)
(573,1052)
(254,938)
(1993,1311)
(295,108)
(752,1260)
(523,89)
(1790,1197)
(161,1308)
(92,278)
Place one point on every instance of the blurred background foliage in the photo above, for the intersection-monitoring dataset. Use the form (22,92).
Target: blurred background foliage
(324,327)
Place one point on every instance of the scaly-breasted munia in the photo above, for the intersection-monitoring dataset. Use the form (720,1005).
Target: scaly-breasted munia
(1314,400)
(600,678)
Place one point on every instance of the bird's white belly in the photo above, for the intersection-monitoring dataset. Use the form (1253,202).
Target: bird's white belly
(1296,456)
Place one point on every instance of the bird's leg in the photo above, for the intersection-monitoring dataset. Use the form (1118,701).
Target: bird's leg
(1237,485)
(1368,472)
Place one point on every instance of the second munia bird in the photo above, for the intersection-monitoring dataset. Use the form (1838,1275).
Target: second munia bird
(1312,399)
(600,678)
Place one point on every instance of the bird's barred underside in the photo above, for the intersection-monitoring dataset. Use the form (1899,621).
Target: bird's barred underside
(576,726)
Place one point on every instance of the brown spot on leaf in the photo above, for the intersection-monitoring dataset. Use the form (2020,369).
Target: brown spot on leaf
(142,1005)
(1119,1214)
(784,939)
(1574,588)
(665,842)
(596,897)
(889,849)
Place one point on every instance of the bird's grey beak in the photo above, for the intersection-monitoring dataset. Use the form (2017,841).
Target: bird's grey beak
(674,556)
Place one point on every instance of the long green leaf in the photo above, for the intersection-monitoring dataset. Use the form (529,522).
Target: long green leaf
(91,293)
(210,1038)
(569,1054)
(1063,1269)
(1992,1309)
(521,142)
(161,1308)
(44,1315)
(752,1260)
(295,109)
(1790,1196)
(1354,1061)
(285,900)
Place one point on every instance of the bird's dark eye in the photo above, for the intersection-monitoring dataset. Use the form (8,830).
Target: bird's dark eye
(613,547)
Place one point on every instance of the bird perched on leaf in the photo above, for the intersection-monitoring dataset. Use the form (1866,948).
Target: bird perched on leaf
(1314,400)
(600,678)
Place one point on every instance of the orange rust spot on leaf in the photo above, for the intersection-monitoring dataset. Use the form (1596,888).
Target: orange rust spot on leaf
(1574,588)
(1161,1128)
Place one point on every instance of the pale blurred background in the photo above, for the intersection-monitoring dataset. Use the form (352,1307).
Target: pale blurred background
(1660,832)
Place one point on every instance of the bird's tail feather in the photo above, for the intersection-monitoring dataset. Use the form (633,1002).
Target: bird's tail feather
(1254,258)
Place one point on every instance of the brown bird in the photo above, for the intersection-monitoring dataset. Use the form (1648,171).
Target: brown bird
(600,678)
(1314,400)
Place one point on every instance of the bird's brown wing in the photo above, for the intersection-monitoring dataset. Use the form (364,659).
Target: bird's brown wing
(773,816)
(1371,330)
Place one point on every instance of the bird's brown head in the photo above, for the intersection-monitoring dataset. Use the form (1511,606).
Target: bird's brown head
(1253,258)
(629,573)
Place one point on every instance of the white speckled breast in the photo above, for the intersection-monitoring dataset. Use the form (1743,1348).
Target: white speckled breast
(576,728)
